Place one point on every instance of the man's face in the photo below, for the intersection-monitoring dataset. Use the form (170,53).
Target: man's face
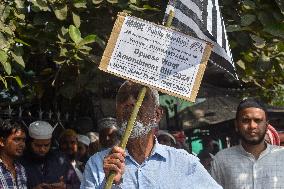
(14,145)
(82,150)
(69,145)
(108,137)
(40,146)
(251,125)
(125,102)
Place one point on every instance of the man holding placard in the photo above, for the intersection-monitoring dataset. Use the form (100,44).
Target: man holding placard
(145,163)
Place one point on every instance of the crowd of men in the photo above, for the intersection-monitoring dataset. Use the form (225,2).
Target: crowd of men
(151,159)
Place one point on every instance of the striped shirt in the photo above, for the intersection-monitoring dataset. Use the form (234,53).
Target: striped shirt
(7,181)
(234,168)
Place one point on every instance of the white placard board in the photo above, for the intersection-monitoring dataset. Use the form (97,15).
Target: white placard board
(156,56)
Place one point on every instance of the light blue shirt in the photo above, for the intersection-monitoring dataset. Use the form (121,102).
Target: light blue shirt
(166,168)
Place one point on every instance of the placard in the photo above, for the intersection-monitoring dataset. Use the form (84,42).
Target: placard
(156,56)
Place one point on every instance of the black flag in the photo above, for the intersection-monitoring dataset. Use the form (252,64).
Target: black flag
(202,19)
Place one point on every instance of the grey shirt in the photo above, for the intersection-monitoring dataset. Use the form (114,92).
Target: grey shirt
(234,168)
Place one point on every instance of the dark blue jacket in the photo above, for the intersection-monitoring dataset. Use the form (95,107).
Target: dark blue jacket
(49,169)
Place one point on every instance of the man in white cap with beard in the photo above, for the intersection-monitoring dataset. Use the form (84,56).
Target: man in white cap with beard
(145,163)
(45,168)
(108,132)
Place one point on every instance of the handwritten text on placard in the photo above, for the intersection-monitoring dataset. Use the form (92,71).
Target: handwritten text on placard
(156,56)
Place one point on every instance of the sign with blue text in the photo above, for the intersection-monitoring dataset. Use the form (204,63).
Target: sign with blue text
(156,56)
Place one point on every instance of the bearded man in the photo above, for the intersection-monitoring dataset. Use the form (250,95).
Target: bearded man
(253,164)
(145,163)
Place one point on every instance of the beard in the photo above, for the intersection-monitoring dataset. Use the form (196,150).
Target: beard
(250,140)
(139,129)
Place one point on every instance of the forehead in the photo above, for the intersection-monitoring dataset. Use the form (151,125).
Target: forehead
(41,141)
(132,89)
(108,130)
(69,139)
(18,133)
(252,112)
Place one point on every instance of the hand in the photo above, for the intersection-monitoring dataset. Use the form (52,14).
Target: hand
(115,161)
(59,185)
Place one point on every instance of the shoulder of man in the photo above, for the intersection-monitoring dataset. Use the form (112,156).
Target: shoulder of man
(99,155)
(178,153)
(20,167)
(277,149)
(227,151)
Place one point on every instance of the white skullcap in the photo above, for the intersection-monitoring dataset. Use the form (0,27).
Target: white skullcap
(162,132)
(84,139)
(40,130)
(105,123)
(93,136)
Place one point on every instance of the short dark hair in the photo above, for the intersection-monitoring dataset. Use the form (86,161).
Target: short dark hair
(8,127)
(251,103)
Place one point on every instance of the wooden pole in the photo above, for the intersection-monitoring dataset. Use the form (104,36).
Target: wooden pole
(127,132)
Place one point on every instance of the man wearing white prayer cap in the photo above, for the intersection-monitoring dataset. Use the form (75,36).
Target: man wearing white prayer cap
(45,168)
(108,132)
(95,143)
(83,148)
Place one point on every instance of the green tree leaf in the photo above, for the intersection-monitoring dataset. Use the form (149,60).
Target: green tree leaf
(264,17)
(275,29)
(19,81)
(112,1)
(6,13)
(233,28)
(20,4)
(21,41)
(258,41)
(4,81)
(18,58)
(249,4)
(80,3)
(3,41)
(76,19)
(75,34)
(4,62)
(60,11)
(88,39)
(96,2)
(247,19)
(3,56)
(20,16)
(241,64)
(148,7)
(41,4)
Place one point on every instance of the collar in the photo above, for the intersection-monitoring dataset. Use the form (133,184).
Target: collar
(263,153)
(158,149)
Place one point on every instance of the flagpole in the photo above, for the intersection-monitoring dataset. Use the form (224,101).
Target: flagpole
(133,116)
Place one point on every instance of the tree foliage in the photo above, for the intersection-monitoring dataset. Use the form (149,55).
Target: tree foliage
(53,47)
(257,41)
(50,49)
